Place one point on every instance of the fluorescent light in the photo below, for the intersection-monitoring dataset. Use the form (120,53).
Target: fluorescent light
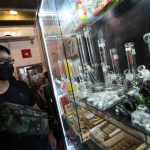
(13,12)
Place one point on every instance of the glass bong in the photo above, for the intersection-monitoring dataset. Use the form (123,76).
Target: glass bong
(104,61)
(130,73)
(87,75)
(115,64)
(91,51)
(146,38)
(91,67)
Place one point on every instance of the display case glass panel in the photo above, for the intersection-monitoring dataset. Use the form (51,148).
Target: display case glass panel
(54,45)
(102,61)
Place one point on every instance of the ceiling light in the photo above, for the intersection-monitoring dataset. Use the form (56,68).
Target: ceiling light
(13,12)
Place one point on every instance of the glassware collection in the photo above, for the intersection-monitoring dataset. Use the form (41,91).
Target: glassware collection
(117,88)
(101,72)
(122,92)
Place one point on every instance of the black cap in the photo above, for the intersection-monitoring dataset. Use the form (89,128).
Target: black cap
(3,48)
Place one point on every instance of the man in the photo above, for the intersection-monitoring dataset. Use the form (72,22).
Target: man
(17,92)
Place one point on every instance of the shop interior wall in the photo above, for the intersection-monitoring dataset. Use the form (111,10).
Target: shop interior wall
(16,48)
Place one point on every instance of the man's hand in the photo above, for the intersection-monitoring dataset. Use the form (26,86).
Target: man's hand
(52,140)
(36,106)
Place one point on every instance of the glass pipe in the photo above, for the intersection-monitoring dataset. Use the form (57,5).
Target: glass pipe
(92,74)
(104,59)
(81,48)
(89,47)
(83,56)
(116,76)
(115,60)
(146,38)
(87,70)
(92,56)
(130,53)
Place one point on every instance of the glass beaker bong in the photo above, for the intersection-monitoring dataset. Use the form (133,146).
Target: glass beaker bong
(92,68)
(115,60)
(87,75)
(104,60)
(130,73)
(116,76)
(89,45)
(146,38)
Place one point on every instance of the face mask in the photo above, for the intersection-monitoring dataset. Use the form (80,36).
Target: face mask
(6,71)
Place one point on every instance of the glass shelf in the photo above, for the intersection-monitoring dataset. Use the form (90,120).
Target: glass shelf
(109,115)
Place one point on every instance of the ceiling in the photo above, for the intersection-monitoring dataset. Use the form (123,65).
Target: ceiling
(27,11)
(20,26)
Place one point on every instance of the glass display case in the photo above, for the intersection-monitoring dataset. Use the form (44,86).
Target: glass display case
(97,52)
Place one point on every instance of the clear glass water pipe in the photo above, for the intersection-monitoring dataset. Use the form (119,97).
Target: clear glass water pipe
(146,38)
(115,60)
(130,53)
(104,59)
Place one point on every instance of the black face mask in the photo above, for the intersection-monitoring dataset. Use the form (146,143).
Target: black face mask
(6,71)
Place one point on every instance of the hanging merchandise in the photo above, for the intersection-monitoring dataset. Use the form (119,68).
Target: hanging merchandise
(81,12)
(99,5)
(88,7)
